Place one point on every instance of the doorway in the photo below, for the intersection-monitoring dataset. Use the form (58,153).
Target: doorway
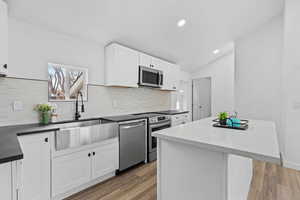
(201,100)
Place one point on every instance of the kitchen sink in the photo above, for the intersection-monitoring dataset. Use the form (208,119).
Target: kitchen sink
(77,134)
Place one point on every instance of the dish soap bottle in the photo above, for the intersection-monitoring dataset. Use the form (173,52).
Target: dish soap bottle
(54,115)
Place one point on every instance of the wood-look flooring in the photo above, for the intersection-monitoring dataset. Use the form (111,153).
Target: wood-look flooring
(270,182)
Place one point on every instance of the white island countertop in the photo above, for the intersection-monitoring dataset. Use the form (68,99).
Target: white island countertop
(258,142)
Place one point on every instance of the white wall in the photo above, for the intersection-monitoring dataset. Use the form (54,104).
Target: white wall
(32,47)
(291,84)
(221,72)
(258,74)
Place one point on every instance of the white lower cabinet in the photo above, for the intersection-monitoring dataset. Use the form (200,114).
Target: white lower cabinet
(73,170)
(35,167)
(42,176)
(171,73)
(105,159)
(179,119)
(70,171)
(6,181)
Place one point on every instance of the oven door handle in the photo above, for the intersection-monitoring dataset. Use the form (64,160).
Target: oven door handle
(161,124)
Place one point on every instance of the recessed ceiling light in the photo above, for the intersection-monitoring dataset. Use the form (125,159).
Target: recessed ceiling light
(181,23)
(216,51)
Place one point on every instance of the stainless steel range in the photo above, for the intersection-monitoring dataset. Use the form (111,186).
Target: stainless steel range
(156,122)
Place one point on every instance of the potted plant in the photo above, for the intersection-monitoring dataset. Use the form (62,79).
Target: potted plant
(223,118)
(45,113)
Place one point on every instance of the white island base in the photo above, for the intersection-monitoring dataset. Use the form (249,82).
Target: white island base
(197,161)
(187,172)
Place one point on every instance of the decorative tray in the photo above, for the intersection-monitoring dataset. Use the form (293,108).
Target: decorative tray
(242,126)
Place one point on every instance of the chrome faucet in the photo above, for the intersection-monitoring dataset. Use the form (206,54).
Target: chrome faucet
(77,114)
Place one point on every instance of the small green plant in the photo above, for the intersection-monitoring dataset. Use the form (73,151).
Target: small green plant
(223,115)
(45,113)
(43,108)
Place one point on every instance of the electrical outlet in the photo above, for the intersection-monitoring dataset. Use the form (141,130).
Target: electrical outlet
(17,106)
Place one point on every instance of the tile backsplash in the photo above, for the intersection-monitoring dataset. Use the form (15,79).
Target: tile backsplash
(102,101)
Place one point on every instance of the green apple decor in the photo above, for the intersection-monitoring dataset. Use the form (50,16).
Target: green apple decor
(223,117)
(45,113)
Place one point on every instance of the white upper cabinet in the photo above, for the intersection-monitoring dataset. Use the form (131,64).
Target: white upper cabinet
(145,60)
(171,76)
(159,64)
(150,61)
(3,38)
(174,74)
(121,66)
(35,167)
(167,81)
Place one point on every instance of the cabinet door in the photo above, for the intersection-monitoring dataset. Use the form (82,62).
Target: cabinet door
(70,171)
(174,76)
(159,64)
(168,82)
(121,66)
(105,159)
(35,167)
(128,61)
(6,181)
(145,60)
(3,37)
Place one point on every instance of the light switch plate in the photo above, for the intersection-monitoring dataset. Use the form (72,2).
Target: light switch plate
(17,106)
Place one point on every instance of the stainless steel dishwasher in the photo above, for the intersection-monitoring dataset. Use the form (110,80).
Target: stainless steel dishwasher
(133,143)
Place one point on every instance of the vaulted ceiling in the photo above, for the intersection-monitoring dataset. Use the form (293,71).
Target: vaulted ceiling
(150,25)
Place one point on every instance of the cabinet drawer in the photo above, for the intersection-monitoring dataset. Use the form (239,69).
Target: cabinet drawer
(180,119)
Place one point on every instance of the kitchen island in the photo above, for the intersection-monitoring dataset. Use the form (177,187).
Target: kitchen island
(198,161)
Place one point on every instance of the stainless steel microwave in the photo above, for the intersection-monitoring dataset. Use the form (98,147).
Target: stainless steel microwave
(150,77)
